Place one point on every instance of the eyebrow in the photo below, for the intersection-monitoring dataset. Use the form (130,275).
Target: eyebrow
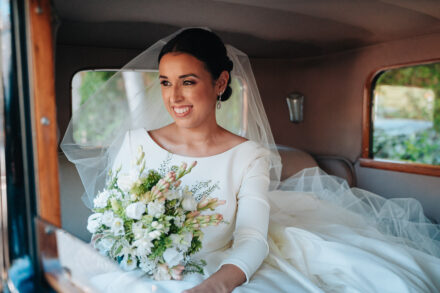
(182,76)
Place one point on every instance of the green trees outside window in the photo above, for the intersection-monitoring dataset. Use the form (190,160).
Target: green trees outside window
(406,114)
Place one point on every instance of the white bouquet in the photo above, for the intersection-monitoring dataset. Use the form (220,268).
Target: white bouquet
(149,221)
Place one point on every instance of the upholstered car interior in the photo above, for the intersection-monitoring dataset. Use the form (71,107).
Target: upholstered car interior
(294,160)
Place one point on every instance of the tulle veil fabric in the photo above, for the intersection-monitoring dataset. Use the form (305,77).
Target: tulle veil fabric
(309,200)
(139,105)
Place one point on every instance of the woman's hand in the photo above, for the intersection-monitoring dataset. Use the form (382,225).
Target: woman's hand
(223,281)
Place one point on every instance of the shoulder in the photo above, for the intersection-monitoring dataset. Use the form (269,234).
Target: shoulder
(165,136)
(233,138)
(165,131)
(123,148)
(253,150)
(132,137)
(253,156)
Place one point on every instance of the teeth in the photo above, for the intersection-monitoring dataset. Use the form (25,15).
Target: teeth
(181,110)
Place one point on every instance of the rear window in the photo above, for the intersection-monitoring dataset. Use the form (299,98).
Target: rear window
(406,115)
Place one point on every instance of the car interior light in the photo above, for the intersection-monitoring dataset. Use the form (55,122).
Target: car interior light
(295,102)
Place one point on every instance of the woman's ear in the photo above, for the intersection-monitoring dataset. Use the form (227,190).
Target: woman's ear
(222,82)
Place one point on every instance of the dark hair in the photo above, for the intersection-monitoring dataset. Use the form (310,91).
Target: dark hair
(205,46)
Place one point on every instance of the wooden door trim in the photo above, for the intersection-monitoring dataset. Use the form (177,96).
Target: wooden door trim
(42,80)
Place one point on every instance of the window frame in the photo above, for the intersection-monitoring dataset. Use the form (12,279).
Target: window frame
(242,82)
(366,159)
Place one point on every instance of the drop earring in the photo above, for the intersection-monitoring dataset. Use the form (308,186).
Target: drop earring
(219,101)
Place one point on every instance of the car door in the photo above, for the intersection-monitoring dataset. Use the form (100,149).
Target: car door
(28,161)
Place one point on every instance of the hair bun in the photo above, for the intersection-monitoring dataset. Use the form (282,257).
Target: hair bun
(228,64)
(226,94)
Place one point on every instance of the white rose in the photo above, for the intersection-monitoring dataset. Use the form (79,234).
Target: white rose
(135,210)
(107,218)
(188,202)
(156,208)
(101,200)
(172,257)
(118,227)
(104,245)
(94,222)
(125,182)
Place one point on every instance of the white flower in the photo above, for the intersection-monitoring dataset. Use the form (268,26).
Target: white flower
(188,202)
(126,249)
(116,194)
(135,210)
(117,227)
(154,234)
(101,200)
(107,218)
(128,264)
(172,194)
(156,208)
(147,265)
(162,273)
(182,242)
(178,220)
(94,222)
(125,182)
(156,225)
(172,257)
(104,245)
(143,246)
(138,230)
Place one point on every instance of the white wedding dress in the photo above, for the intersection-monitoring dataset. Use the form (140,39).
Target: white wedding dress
(312,244)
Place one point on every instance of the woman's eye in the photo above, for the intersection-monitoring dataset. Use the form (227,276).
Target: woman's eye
(165,83)
(188,82)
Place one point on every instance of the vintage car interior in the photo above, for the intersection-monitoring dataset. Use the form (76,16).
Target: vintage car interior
(330,52)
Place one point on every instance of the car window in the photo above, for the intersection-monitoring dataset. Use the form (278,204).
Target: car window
(91,129)
(406,114)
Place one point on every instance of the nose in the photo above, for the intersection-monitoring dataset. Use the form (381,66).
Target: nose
(176,95)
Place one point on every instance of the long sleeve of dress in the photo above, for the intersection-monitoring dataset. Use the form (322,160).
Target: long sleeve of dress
(252,219)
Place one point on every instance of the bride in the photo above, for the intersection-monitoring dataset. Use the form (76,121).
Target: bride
(311,233)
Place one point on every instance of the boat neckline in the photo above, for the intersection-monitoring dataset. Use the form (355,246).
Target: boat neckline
(147,134)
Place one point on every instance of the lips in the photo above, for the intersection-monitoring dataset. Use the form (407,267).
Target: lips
(182,110)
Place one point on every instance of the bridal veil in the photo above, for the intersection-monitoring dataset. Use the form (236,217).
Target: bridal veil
(139,105)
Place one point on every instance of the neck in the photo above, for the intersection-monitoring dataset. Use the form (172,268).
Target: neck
(201,135)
